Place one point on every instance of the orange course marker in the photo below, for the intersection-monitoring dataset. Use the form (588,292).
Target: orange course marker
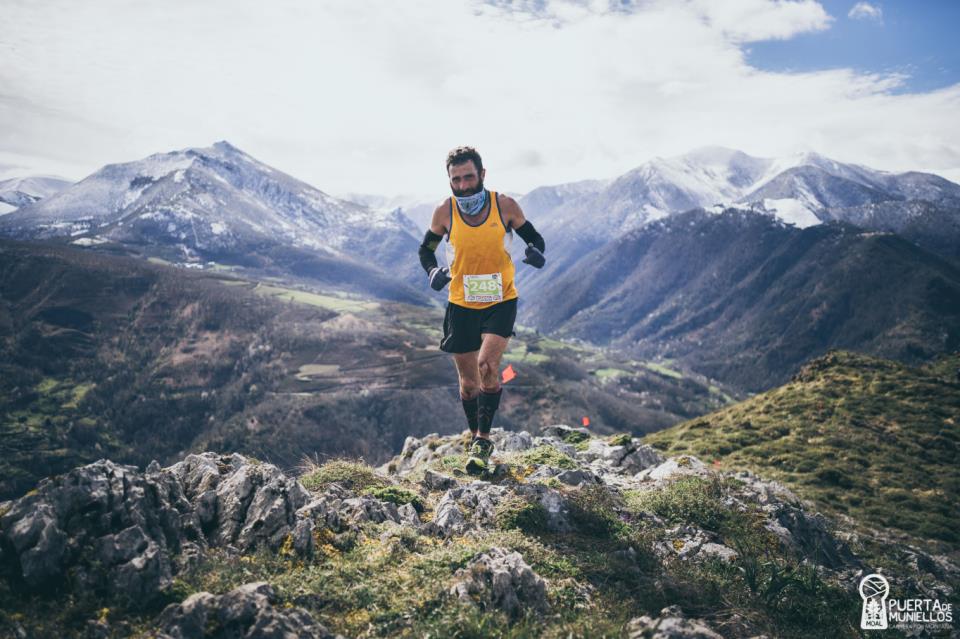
(586,422)
(508,373)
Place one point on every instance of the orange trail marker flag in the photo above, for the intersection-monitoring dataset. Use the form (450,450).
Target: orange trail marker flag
(586,422)
(508,373)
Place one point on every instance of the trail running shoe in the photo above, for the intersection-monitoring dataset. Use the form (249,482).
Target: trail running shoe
(479,456)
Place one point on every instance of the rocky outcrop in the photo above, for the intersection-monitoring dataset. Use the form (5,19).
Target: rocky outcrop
(247,612)
(625,457)
(672,468)
(618,464)
(238,502)
(688,542)
(117,530)
(114,529)
(500,579)
(671,624)
(124,535)
(474,507)
(465,507)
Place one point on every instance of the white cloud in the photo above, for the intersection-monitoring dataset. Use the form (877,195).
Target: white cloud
(755,20)
(865,11)
(368,97)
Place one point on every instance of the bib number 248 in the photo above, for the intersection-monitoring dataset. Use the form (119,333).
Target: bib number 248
(483,288)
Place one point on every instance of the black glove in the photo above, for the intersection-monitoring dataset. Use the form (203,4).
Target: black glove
(439,277)
(534,257)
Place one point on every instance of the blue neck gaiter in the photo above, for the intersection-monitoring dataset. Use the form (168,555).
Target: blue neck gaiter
(472,204)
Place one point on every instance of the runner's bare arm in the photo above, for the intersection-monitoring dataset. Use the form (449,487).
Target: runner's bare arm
(441,217)
(512,214)
(514,218)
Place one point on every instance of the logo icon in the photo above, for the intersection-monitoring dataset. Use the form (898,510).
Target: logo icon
(874,590)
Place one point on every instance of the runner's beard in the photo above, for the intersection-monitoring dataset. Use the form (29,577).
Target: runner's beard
(466,192)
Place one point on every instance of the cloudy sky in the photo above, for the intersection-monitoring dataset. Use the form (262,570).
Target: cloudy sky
(368,95)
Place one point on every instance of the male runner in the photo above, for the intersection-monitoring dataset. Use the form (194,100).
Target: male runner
(482,302)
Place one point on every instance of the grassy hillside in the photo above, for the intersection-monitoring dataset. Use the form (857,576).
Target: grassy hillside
(866,437)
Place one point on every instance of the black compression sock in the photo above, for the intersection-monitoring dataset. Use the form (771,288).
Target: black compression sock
(489,403)
(470,408)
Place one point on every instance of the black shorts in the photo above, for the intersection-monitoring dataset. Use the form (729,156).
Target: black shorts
(462,327)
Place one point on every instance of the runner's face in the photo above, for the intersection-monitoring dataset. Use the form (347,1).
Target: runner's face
(464,179)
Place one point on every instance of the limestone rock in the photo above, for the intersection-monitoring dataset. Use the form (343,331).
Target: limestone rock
(358,510)
(409,515)
(436,481)
(464,508)
(102,527)
(448,519)
(578,477)
(248,612)
(322,513)
(562,431)
(555,505)
(684,541)
(719,551)
(115,530)
(501,579)
(671,624)
(514,441)
(640,458)
(683,465)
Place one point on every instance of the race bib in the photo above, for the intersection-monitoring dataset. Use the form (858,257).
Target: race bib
(483,288)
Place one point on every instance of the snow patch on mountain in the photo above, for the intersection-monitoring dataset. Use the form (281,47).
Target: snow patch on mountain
(90,241)
(792,211)
(652,213)
(17,192)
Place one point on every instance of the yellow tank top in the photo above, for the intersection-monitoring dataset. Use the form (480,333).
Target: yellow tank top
(482,270)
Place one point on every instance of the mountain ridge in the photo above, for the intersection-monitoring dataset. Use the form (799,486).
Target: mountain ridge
(20,191)
(219,204)
(745,298)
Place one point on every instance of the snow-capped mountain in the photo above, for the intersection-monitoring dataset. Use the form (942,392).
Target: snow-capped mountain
(544,199)
(418,209)
(17,192)
(219,203)
(802,190)
(701,179)
(797,189)
(206,197)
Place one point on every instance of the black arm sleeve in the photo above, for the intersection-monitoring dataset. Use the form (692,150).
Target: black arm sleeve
(529,235)
(428,258)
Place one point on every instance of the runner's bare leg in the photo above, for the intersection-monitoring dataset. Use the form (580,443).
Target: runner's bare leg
(468,372)
(488,361)
(491,352)
(468,369)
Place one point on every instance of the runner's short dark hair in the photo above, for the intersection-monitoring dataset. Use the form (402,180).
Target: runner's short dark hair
(463,154)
